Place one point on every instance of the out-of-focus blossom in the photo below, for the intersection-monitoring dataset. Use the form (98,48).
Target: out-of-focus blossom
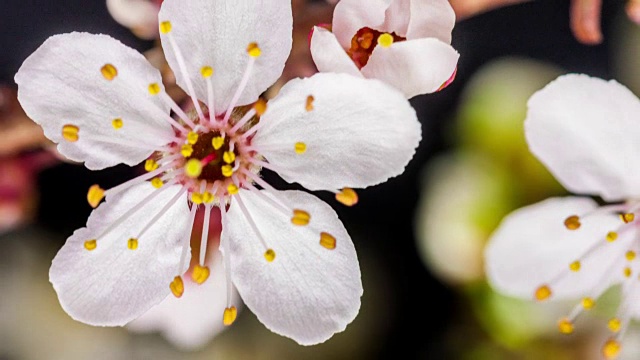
(141,16)
(404,43)
(584,130)
(323,132)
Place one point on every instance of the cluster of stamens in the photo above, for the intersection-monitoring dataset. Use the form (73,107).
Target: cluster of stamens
(618,324)
(211,157)
(365,41)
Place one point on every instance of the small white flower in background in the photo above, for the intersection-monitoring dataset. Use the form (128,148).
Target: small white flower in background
(141,16)
(585,131)
(286,252)
(404,43)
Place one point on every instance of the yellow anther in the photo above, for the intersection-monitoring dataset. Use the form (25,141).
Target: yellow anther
(627,272)
(232,189)
(542,293)
(150,165)
(192,137)
(565,326)
(157,183)
(254,50)
(611,349)
(206,71)
(227,170)
(614,325)
(260,107)
(196,198)
(117,123)
(627,218)
(347,197)
(612,236)
(70,133)
(109,72)
(300,217)
(165,27)
(300,148)
(630,255)
(588,303)
(572,222)
(132,244)
(385,40)
(200,274)
(327,241)
(270,255)
(177,286)
(90,244)
(575,266)
(229,157)
(154,89)
(208,197)
(229,316)
(95,195)
(309,105)
(193,168)
(186,150)
(217,142)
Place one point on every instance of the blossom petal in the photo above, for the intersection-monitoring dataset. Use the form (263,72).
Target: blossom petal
(415,66)
(112,285)
(194,319)
(431,19)
(141,16)
(328,55)
(307,293)
(350,16)
(62,83)
(585,130)
(217,34)
(359,133)
(532,247)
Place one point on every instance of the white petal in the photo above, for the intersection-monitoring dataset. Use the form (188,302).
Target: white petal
(431,19)
(328,55)
(532,247)
(138,15)
(61,83)
(307,293)
(360,132)
(415,66)
(217,34)
(113,285)
(194,319)
(586,131)
(350,16)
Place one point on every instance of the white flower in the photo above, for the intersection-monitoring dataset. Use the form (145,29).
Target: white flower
(104,104)
(584,130)
(402,42)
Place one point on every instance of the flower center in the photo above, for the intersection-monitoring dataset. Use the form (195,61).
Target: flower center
(365,41)
(212,159)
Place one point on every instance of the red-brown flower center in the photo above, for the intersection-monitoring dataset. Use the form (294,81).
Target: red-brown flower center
(364,42)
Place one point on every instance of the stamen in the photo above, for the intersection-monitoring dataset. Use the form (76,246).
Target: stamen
(154,89)
(230,315)
(588,303)
(186,150)
(385,40)
(614,325)
(611,349)
(627,217)
(95,195)
(300,217)
(260,107)
(575,266)
(572,222)
(229,157)
(137,180)
(269,253)
(327,241)
(183,69)
(196,198)
(309,104)
(210,94)
(192,138)
(176,109)
(227,258)
(254,52)
(208,197)
(612,236)
(193,168)
(117,123)
(132,244)
(300,148)
(630,255)
(232,189)
(205,235)
(227,170)
(177,286)
(200,274)
(627,272)
(160,213)
(565,326)
(217,142)
(150,165)
(542,293)
(248,116)
(109,72)
(347,197)
(165,27)
(70,133)
(157,183)
(90,244)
